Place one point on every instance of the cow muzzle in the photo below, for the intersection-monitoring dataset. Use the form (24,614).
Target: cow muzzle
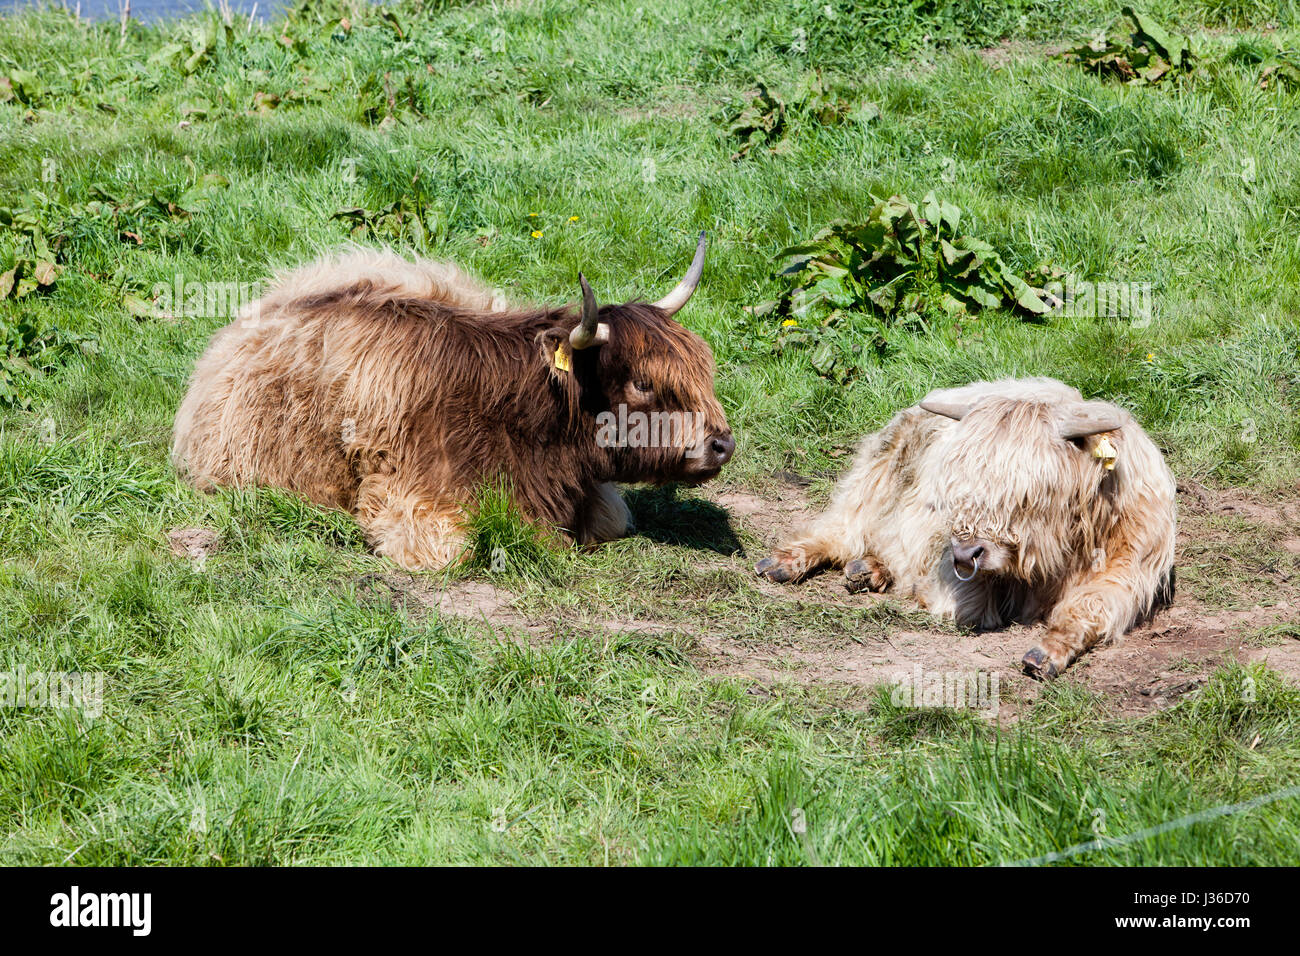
(967,556)
(707,458)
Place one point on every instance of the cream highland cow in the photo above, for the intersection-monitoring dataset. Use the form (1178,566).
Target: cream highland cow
(1000,502)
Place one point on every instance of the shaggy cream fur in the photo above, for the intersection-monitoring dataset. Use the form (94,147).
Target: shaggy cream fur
(1088,548)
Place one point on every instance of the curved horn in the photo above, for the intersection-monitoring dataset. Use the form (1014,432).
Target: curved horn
(589,331)
(954,410)
(678,297)
(951,403)
(1081,419)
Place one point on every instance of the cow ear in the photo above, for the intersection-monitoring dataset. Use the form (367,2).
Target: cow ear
(553,337)
(556,351)
(948,403)
(1082,419)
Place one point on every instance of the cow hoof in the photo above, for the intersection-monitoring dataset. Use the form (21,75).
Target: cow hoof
(1038,665)
(774,569)
(857,577)
(865,575)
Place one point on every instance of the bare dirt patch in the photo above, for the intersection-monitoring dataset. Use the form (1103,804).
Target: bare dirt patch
(1153,666)
(485,603)
(193,543)
(1006,52)
(769,518)
(1195,499)
(1284,659)
(1157,662)
(473,600)
(1257,588)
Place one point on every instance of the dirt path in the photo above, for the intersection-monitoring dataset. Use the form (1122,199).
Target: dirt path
(1154,665)
(1239,598)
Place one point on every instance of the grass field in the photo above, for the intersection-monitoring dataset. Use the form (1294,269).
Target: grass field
(290,698)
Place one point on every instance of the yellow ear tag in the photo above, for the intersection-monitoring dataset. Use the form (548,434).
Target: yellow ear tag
(1106,452)
(562,359)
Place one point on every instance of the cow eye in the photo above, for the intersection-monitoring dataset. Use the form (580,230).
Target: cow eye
(643,386)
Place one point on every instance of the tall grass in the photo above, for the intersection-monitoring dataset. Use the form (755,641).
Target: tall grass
(271,706)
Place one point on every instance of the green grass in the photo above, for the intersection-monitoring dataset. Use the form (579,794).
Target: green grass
(269,706)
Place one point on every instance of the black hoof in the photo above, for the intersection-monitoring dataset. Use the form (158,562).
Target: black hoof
(1038,665)
(772,569)
(857,576)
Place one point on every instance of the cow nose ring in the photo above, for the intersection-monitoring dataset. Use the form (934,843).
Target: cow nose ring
(975,566)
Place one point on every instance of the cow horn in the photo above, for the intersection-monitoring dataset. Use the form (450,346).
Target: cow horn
(937,403)
(1081,419)
(674,300)
(589,331)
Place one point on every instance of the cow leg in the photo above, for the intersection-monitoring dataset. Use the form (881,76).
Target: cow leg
(790,563)
(863,511)
(1071,632)
(605,515)
(419,532)
(837,538)
(798,558)
(1099,608)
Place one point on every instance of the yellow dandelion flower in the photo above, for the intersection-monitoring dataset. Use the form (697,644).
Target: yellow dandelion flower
(1151,356)
(537,233)
(573,219)
(532,215)
(789,324)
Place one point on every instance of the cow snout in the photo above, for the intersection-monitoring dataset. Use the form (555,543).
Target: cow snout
(968,554)
(721,448)
(705,459)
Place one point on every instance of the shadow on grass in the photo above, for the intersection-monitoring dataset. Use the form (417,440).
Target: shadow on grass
(661,515)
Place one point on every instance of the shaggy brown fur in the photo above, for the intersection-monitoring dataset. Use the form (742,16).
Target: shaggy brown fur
(395,390)
(993,503)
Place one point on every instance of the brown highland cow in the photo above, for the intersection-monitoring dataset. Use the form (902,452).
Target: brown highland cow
(395,390)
